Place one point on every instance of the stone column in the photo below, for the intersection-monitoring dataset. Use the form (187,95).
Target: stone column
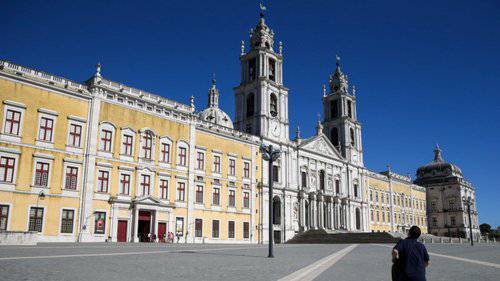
(301,210)
(321,209)
(313,218)
(135,223)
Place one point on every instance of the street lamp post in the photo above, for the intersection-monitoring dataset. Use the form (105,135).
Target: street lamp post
(270,154)
(468,202)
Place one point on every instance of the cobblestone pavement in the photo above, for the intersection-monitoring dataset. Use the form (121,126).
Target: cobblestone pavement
(235,262)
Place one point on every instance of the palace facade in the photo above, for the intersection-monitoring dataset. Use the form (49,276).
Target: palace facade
(103,161)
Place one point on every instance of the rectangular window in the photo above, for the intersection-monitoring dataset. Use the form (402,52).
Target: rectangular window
(165,152)
(147,146)
(198,228)
(276,175)
(349,109)
(252,70)
(36,219)
(12,122)
(246,169)
(246,200)
(100,222)
(7,165)
(232,198)
(164,188)
(46,129)
(199,194)
(355,190)
(106,137)
(125,184)
(75,135)
(216,197)
(42,174)
(200,160)
(215,229)
(452,221)
(337,186)
(232,167)
(303,179)
(217,164)
(71,178)
(103,181)
(181,191)
(67,218)
(179,227)
(182,156)
(246,230)
(272,69)
(127,145)
(145,185)
(4,217)
(371,215)
(230,229)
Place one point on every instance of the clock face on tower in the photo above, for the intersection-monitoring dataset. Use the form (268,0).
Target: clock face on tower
(275,127)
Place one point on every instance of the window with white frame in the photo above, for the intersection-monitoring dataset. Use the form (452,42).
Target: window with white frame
(246,230)
(75,135)
(12,124)
(106,133)
(125,183)
(163,188)
(181,191)
(46,128)
(200,160)
(246,200)
(36,219)
(217,163)
(71,177)
(42,170)
(103,181)
(199,194)
(145,185)
(147,144)
(165,147)
(67,219)
(99,222)
(7,169)
(127,147)
(232,166)
(246,169)
(230,229)
(216,196)
(232,198)
(4,217)
(182,155)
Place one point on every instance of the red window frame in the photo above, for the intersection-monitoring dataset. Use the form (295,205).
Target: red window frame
(181,191)
(232,197)
(200,160)
(246,200)
(182,156)
(165,152)
(12,122)
(75,135)
(147,147)
(36,219)
(127,144)
(103,181)
(146,184)
(216,197)
(71,178)
(46,128)
(164,188)
(125,184)
(7,165)
(217,164)
(42,174)
(67,219)
(199,194)
(106,138)
(232,167)
(246,169)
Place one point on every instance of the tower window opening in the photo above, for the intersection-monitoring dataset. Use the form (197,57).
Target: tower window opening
(250,104)
(334,108)
(274,105)
(353,142)
(252,71)
(335,136)
(272,70)
(349,109)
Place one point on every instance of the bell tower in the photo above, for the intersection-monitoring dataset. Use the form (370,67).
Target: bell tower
(261,99)
(341,123)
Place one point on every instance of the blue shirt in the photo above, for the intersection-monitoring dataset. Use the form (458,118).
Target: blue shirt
(412,258)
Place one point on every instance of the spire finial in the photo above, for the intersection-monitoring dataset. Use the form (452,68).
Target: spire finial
(437,154)
(280,48)
(337,59)
(98,69)
(242,47)
(354,90)
(297,133)
(324,90)
(263,8)
(214,81)
(191,101)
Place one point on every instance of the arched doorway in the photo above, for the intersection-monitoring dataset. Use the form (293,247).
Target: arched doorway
(358,219)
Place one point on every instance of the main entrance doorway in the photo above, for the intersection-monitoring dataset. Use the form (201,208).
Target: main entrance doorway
(144,226)
(122,231)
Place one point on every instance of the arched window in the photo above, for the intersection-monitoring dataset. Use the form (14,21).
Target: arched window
(250,104)
(276,210)
(335,136)
(334,108)
(322,180)
(353,139)
(274,105)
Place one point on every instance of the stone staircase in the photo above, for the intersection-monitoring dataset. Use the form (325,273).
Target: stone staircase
(321,236)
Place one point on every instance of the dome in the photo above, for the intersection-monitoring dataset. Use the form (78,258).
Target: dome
(438,168)
(217,116)
(213,113)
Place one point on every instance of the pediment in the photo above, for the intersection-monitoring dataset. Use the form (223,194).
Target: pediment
(147,201)
(320,145)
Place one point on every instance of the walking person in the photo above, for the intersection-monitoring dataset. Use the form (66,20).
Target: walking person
(410,258)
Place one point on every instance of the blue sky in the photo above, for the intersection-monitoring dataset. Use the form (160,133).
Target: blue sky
(425,72)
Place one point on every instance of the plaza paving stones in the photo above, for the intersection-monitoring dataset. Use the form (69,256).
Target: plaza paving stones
(228,262)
